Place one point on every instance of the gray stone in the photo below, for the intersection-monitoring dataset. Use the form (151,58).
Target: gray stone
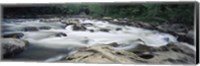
(12,47)
(30,29)
(12,35)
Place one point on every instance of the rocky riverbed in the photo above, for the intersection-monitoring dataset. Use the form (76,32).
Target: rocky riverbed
(96,41)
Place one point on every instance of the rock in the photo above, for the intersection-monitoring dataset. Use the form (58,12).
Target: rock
(60,34)
(178,28)
(91,30)
(71,22)
(190,34)
(141,48)
(87,24)
(107,18)
(79,27)
(117,29)
(101,54)
(175,51)
(183,48)
(114,44)
(45,27)
(175,28)
(12,47)
(115,20)
(144,25)
(104,30)
(30,29)
(182,31)
(12,35)
(51,20)
(172,53)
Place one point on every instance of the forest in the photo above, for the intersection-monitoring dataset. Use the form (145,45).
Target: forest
(159,13)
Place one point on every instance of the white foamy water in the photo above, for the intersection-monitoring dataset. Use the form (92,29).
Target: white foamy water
(74,39)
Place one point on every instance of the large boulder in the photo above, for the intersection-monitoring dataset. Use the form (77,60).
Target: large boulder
(173,53)
(12,46)
(102,54)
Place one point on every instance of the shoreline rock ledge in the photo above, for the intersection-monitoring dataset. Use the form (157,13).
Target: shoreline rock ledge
(155,55)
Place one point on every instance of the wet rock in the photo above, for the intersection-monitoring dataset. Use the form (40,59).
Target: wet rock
(190,34)
(145,25)
(12,47)
(87,24)
(190,37)
(91,30)
(182,31)
(30,29)
(147,56)
(117,29)
(114,44)
(104,30)
(71,22)
(79,27)
(12,35)
(45,27)
(61,34)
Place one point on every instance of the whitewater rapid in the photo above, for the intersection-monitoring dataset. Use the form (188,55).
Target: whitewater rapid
(76,39)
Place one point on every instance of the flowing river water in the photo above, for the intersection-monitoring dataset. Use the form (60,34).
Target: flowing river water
(43,44)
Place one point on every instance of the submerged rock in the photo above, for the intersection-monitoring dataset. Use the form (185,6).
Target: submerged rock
(104,30)
(12,47)
(60,34)
(117,29)
(87,24)
(30,29)
(45,27)
(91,30)
(12,35)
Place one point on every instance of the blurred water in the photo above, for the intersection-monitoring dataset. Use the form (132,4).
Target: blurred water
(44,43)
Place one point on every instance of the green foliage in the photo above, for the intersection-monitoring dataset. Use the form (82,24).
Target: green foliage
(160,13)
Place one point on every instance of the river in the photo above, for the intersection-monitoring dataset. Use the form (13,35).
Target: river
(45,45)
